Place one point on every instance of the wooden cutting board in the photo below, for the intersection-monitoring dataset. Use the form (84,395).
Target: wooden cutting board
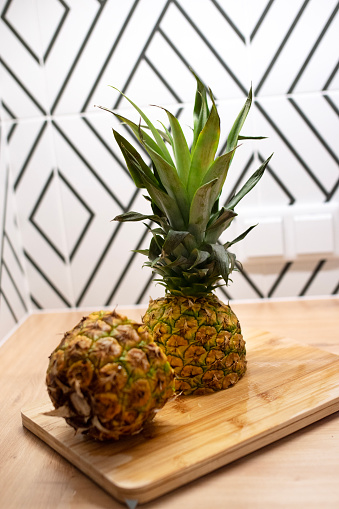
(287,386)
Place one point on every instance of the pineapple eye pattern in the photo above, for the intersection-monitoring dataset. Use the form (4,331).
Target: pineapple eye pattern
(101,379)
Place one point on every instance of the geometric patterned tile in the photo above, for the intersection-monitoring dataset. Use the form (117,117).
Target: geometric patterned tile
(22,75)
(301,39)
(67,175)
(101,51)
(306,157)
(14,302)
(39,214)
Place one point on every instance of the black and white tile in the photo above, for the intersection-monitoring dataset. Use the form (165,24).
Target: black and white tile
(62,178)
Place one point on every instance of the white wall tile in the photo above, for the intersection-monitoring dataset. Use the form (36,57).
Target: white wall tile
(57,62)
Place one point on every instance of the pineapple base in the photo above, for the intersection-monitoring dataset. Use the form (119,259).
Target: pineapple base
(202,340)
(106,378)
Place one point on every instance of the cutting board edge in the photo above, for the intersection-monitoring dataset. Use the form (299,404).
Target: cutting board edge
(145,493)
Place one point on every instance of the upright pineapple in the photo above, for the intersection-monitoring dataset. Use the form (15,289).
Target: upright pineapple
(106,377)
(200,335)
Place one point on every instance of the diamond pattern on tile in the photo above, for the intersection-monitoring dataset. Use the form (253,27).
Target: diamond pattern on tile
(14,302)
(39,213)
(68,178)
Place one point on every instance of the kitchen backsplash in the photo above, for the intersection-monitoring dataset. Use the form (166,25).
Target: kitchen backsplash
(62,178)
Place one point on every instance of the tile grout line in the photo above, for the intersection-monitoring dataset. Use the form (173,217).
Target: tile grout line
(98,114)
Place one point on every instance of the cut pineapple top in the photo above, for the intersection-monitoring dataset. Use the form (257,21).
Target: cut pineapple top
(184,194)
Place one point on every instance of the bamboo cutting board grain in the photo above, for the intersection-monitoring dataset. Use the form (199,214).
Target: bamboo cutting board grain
(287,387)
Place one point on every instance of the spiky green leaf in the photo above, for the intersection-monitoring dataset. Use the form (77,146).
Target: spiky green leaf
(200,111)
(165,134)
(180,148)
(224,259)
(173,239)
(233,136)
(204,152)
(240,237)
(251,182)
(134,161)
(220,224)
(170,180)
(144,252)
(136,216)
(198,256)
(218,170)
(163,201)
(200,210)
(160,142)
(136,129)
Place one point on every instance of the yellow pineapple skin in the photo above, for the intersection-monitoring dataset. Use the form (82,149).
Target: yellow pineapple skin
(202,340)
(107,378)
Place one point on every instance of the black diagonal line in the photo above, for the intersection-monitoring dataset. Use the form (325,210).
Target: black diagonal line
(313,129)
(279,50)
(162,79)
(35,302)
(281,185)
(57,31)
(48,281)
(250,282)
(86,163)
(107,147)
(331,193)
(11,114)
(142,54)
(30,154)
(311,53)
(227,295)
(36,226)
(27,92)
(89,220)
(312,277)
(222,149)
(292,149)
(177,52)
(145,288)
(109,56)
(9,111)
(17,35)
(13,252)
(229,21)
(331,77)
(4,217)
(243,173)
(82,47)
(276,283)
(261,19)
(210,47)
(336,289)
(11,132)
(104,253)
(278,181)
(15,286)
(331,103)
(9,306)
(126,269)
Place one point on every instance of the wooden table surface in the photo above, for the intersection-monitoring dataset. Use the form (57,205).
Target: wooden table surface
(301,470)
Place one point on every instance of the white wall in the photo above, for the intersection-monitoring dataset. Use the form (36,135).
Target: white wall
(61,175)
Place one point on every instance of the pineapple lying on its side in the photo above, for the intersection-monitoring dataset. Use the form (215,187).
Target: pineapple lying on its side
(200,334)
(106,378)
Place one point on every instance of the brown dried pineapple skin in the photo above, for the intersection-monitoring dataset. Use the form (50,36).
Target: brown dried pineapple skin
(202,339)
(107,378)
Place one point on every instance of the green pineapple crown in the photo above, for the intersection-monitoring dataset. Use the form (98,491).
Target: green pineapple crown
(184,191)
